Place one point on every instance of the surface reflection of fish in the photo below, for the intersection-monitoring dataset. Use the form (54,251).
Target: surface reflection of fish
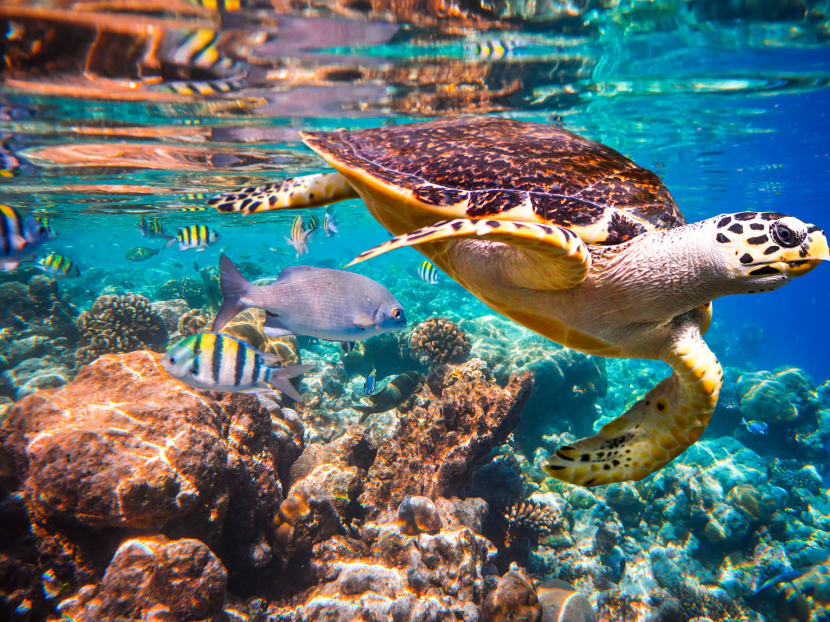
(58,266)
(491,49)
(141,253)
(335,305)
(216,362)
(392,395)
(299,236)
(20,238)
(152,228)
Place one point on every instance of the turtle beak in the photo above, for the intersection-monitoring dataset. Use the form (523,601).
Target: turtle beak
(808,254)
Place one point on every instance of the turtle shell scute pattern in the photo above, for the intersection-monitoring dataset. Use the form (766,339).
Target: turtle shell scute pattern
(497,164)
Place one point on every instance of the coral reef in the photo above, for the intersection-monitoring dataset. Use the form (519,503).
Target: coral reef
(119,324)
(171,311)
(435,446)
(186,288)
(531,518)
(439,340)
(248,327)
(193,321)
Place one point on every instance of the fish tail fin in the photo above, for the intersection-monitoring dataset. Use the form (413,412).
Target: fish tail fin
(280,378)
(170,242)
(234,286)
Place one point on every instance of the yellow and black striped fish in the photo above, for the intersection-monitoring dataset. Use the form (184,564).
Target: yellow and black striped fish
(299,236)
(46,221)
(192,209)
(58,266)
(195,236)
(217,362)
(152,227)
(428,273)
(492,49)
(19,237)
(313,223)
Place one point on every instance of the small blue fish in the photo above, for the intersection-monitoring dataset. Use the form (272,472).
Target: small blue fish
(781,577)
(371,379)
(756,427)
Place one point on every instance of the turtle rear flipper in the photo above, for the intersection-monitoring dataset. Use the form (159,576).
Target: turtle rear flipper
(654,431)
(292,193)
(536,256)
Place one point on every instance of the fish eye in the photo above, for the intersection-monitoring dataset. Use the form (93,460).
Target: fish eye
(173,360)
(397,314)
(785,236)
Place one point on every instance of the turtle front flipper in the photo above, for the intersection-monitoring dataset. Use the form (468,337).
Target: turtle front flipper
(656,429)
(292,193)
(533,255)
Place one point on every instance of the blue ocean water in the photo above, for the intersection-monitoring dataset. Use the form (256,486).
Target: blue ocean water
(122,112)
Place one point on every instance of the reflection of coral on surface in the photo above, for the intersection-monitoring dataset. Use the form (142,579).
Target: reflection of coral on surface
(440,340)
(119,324)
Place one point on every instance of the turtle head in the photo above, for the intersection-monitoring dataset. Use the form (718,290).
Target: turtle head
(765,250)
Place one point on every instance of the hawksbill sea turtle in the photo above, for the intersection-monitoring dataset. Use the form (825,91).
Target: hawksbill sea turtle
(571,239)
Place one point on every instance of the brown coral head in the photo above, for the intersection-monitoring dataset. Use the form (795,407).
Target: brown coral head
(419,515)
(439,340)
(294,506)
(513,599)
(531,519)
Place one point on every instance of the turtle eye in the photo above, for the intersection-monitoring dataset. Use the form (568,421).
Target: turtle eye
(785,236)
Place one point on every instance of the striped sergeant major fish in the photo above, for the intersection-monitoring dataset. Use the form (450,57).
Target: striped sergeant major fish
(58,266)
(46,221)
(313,223)
(428,273)
(217,362)
(194,236)
(152,228)
(299,236)
(20,238)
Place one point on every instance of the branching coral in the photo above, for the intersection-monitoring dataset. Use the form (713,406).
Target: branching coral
(119,324)
(440,340)
(529,518)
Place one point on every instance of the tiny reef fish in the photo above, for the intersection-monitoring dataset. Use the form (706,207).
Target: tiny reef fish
(329,224)
(392,395)
(152,228)
(46,221)
(141,253)
(299,236)
(19,237)
(371,380)
(428,273)
(216,362)
(756,427)
(335,305)
(58,266)
(194,236)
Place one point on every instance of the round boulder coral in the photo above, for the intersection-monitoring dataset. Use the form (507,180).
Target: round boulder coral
(439,340)
(189,289)
(193,322)
(119,324)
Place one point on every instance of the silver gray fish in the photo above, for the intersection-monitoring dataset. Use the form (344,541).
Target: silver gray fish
(328,304)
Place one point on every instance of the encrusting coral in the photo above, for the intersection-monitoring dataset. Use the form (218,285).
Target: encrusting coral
(119,324)
(440,340)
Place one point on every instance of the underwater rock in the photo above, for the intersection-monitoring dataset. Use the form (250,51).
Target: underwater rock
(419,515)
(773,397)
(119,324)
(154,578)
(439,340)
(388,575)
(562,602)
(125,447)
(387,353)
(434,450)
(513,599)
(171,311)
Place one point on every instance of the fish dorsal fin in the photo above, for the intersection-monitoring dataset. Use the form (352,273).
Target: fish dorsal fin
(292,272)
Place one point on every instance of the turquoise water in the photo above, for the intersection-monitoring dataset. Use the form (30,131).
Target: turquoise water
(101,124)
